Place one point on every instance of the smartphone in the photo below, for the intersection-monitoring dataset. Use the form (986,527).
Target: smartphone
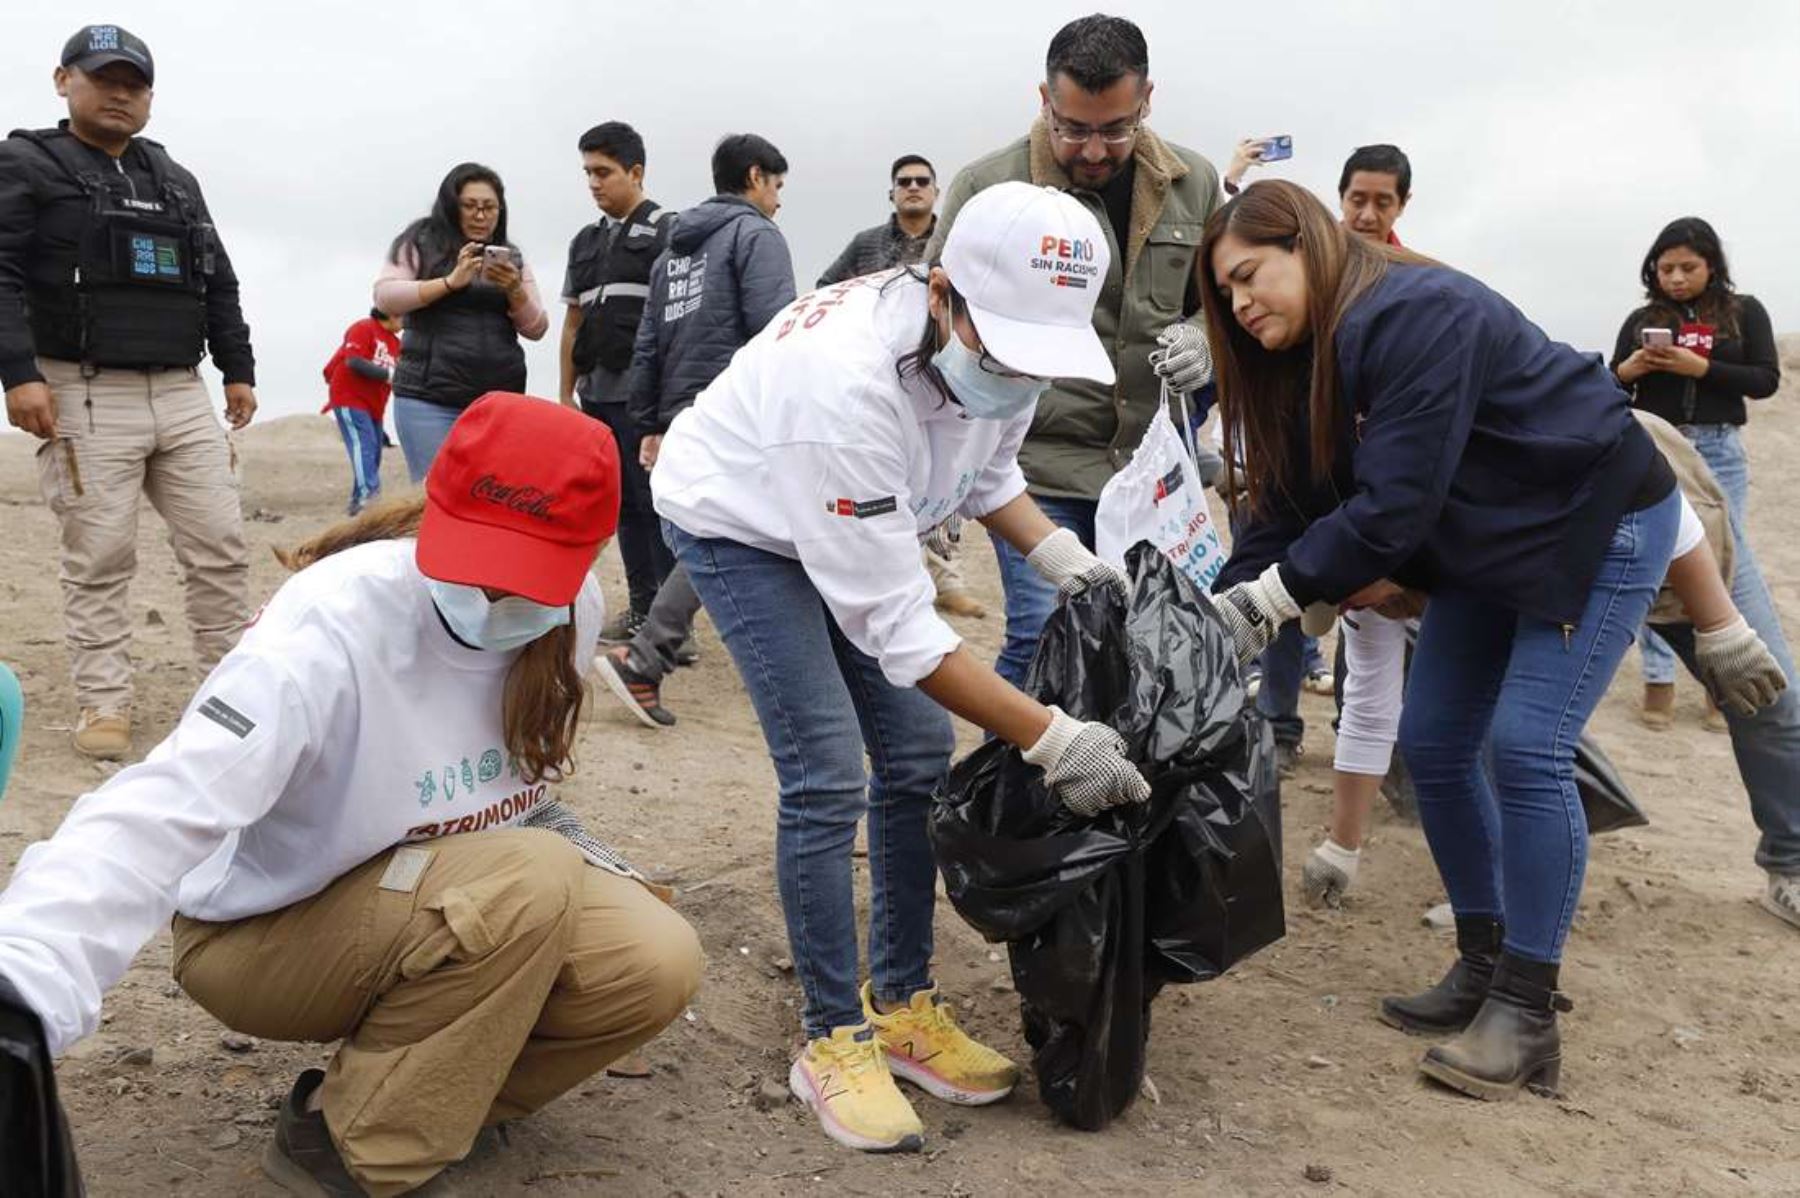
(1278,147)
(500,253)
(1657,338)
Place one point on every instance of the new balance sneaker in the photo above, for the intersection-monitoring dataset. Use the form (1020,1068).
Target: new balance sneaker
(844,1078)
(1782,898)
(301,1158)
(925,1047)
(641,696)
(621,628)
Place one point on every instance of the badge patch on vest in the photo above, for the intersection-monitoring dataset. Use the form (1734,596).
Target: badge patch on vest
(228,717)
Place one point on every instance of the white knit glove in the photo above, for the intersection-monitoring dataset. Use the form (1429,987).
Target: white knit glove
(1254,611)
(945,536)
(1184,360)
(1738,668)
(1064,562)
(1085,765)
(1329,873)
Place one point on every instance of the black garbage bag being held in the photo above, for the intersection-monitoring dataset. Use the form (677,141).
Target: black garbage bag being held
(37,1159)
(1100,912)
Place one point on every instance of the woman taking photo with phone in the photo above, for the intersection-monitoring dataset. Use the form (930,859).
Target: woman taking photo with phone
(1404,431)
(1692,355)
(467,297)
(795,492)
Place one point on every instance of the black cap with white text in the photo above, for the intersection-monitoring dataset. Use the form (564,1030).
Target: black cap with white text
(95,46)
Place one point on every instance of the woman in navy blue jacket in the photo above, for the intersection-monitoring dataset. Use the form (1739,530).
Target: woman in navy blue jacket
(1404,431)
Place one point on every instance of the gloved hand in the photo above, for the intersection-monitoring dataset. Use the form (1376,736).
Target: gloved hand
(1329,873)
(1085,765)
(1185,360)
(1254,611)
(1738,668)
(942,539)
(1071,567)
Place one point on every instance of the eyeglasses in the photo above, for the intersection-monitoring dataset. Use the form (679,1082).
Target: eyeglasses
(1072,134)
(480,207)
(920,181)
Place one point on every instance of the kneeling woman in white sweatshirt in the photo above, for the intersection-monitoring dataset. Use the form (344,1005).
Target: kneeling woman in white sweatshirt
(353,822)
(795,492)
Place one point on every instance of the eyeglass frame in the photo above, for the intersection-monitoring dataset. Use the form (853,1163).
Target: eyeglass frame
(478,207)
(1118,136)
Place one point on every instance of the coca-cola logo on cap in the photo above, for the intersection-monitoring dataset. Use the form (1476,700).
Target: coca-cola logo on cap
(526,500)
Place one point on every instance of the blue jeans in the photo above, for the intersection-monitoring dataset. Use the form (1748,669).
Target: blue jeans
(645,556)
(1723,448)
(1030,599)
(821,703)
(362,441)
(422,428)
(1515,847)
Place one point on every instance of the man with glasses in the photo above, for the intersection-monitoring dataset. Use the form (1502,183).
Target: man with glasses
(1151,198)
(901,241)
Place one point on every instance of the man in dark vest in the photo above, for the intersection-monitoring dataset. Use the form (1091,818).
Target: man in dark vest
(113,287)
(604,289)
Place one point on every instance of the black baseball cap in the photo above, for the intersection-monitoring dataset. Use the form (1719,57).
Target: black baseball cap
(93,46)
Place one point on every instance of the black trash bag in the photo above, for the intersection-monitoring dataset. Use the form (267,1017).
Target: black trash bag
(37,1158)
(1099,913)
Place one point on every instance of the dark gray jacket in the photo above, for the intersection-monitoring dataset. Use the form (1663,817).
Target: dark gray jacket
(880,248)
(725,275)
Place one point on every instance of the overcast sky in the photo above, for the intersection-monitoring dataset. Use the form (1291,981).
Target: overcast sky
(1550,141)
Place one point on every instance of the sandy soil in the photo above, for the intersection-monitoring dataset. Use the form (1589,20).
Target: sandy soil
(1683,1053)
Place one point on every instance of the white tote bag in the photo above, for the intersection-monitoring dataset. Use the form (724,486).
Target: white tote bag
(1158,498)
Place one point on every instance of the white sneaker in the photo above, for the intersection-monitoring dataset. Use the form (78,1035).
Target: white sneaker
(1782,898)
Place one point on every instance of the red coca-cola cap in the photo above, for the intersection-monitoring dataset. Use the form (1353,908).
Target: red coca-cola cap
(520,498)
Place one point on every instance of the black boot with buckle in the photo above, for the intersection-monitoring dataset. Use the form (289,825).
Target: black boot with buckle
(1449,1006)
(1512,1043)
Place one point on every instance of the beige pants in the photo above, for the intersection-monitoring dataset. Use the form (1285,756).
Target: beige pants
(120,434)
(946,573)
(510,973)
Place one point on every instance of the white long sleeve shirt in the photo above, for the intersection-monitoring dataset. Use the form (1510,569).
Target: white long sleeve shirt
(346,721)
(811,446)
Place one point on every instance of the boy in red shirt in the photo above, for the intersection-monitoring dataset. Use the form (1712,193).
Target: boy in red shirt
(359,375)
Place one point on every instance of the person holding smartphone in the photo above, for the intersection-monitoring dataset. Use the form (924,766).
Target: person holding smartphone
(1692,354)
(468,297)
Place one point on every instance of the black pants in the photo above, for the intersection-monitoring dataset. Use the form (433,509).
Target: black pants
(647,560)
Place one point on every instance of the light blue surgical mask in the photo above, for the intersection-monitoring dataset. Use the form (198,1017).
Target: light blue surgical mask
(984,394)
(498,625)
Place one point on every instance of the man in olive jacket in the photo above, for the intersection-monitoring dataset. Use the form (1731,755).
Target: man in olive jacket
(1151,198)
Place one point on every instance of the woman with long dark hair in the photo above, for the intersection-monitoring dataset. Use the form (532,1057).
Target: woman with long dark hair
(1693,354)
(1402,430)
(353,825)
(467,296)
(795,493)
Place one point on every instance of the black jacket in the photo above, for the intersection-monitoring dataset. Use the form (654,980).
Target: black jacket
(1745,365)
(880,248)
(725,275)
(1475,454)
(43,214)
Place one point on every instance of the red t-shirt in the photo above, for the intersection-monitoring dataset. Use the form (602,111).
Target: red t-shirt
(365,339)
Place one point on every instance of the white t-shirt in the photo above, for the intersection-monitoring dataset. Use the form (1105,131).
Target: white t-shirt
(811,446)
(346,721)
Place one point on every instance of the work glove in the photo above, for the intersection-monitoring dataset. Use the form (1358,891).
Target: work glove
(1254,612)
(1085,765)
(1064,562)
(1329,873)
(1738,668)
(944,538)
(1185,360)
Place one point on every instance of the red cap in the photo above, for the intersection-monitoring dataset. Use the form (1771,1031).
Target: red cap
(520,498)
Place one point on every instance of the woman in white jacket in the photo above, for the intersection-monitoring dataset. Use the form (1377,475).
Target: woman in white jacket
(795,493)
(352,823)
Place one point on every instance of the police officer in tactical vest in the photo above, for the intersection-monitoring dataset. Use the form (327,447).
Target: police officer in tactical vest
(604,290)
(113,286)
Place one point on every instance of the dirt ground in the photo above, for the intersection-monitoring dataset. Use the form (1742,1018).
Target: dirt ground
(1682,1069)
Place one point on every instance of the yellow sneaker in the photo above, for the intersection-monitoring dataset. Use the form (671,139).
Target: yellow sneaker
(845,1080)
(925,1047)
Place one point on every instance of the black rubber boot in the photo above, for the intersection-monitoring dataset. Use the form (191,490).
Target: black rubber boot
(1513,1042)
(1449,1006)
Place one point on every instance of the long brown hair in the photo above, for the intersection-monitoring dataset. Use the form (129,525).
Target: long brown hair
(1260,391)
(540,708)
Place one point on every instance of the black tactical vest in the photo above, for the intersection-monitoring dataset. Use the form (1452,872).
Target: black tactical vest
(608,329)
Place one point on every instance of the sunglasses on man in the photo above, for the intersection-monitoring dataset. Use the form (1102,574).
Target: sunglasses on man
(919,181)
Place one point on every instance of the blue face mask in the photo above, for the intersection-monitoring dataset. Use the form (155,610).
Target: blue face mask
(984,394)
(498,625)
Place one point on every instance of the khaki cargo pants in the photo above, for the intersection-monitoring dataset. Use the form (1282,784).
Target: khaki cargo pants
(512,971)
(119,435)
